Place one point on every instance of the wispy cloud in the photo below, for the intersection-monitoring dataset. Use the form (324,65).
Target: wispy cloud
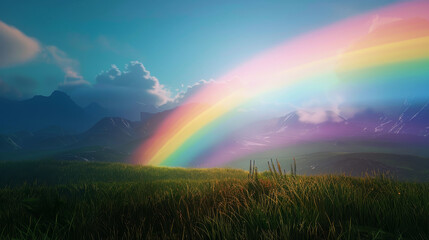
(68,65)
(378,21)
(15,46)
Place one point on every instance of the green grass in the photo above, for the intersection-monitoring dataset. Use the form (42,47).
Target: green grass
(76,200)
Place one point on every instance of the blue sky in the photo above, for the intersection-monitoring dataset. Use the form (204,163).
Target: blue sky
(179,42)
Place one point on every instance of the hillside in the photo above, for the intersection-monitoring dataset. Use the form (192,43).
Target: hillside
(69,200)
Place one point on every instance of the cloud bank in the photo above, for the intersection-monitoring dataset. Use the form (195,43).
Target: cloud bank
(125,92)
(15,46)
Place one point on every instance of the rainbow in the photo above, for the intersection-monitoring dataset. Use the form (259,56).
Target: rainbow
(385,43)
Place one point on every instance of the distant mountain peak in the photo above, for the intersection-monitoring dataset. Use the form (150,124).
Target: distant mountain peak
(40,112)
(56,96)
(59,94)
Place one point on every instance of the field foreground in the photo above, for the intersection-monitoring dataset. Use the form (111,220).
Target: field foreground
(77,200)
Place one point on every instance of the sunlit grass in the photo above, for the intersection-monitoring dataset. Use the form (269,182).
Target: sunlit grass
(117,201)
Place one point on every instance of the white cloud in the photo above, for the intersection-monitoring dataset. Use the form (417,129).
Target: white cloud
(15,46)
(135,77)
(125,92)
(316,112)
(318,115)
(191,90)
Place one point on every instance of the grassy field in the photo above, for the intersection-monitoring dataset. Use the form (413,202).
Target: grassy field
(79,200)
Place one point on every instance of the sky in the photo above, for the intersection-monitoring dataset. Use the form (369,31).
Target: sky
(164,49)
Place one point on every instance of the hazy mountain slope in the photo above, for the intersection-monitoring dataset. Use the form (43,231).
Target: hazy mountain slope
(109,132)
(40,112)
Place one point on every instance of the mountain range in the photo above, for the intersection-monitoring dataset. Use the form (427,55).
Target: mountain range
(56,127)
(409,124)
(42,112)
